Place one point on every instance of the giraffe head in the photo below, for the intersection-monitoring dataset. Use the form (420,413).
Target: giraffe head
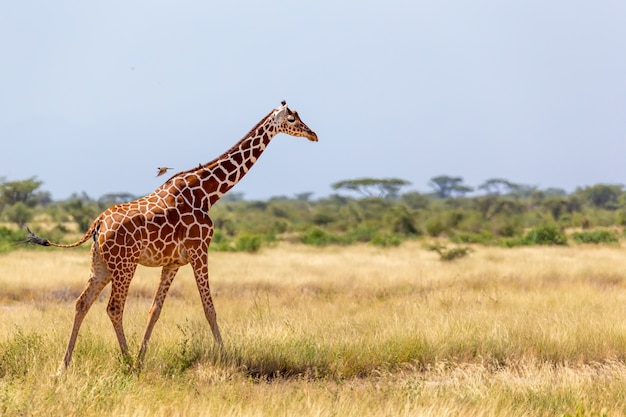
(288,121)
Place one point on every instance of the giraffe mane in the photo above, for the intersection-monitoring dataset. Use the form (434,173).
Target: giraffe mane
(230,150)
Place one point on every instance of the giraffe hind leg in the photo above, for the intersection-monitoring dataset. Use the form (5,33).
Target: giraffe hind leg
(99,278)
(120,283)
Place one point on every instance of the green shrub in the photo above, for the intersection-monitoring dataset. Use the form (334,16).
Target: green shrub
(595,236)
(224,246)
(386,240)
(434,226)
(280,226)
(7,234)
(511,242)
(484,238)
(220,243)
(454,218)
(248,243)
(402,221)
(362,234)
(506,227)
(9,239)
(547,234)
(318,237)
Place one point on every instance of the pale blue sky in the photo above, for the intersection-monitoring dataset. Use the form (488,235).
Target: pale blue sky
(95,95)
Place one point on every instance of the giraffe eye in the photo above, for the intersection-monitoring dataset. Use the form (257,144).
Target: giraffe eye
(291,119)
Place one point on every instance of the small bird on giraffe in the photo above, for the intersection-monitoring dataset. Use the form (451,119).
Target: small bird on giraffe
(162,170)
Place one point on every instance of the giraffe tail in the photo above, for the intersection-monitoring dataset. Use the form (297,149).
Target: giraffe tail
(33,239)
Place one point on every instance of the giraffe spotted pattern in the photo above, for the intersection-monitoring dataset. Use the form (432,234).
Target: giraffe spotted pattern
(169,228)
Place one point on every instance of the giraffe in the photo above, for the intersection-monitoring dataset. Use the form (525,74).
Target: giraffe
(168,228)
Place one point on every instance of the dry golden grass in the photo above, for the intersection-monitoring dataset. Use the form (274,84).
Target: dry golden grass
(347,331)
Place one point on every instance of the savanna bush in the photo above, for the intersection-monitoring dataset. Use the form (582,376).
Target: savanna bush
(318,237)
(362,234)
(547,234)
(506,226)
(449,254)
(435,226)
(219,242)
(248,243)
(595,236)
(385,240)
(483,238)
(9,238)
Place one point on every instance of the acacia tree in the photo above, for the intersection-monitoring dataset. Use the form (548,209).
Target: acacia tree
(445,186)
(604,196)
(23,191)
(373,187)
(497,186)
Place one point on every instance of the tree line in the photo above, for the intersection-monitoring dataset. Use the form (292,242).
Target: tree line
(374,210)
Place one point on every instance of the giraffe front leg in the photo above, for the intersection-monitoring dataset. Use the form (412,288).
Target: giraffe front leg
(201,273)
(167,276)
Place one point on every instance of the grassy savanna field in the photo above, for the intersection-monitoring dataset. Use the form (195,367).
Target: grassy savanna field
(346,331)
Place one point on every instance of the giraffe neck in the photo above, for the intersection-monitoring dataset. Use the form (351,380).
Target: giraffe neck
(230,167)
(216,178)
